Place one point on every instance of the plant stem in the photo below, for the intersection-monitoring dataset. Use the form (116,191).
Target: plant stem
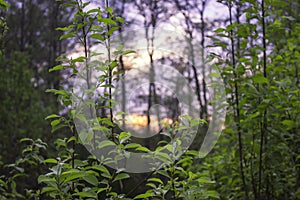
(109,71)
(237,110)
(263,138)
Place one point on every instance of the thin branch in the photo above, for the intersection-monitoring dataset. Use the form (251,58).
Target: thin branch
(237,110)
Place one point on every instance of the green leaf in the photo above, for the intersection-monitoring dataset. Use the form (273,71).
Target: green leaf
(63,28)
(91,179)
(101,190)
(51,160)
(58,127)
(73,138)
(144,196)
(145,149)
(132,146)
(128,52)
(260,79)
(166,134)
(219,30)
(112,30)
(68,35)
(71,4)
(204,180)
(58,67)
(80,117)
(213,194)
(157,180)
(52,116)
(73,175)
(95,10)
(164,173)
(48,190)
(298,193)
(3,5)
(101,168)
(110,10)
(124,136)
(288,123)
(45,179)
(55,122)
(214,75)
(26,140)
(181,128)
(79,59)
(163,156)
(86,194)
(97,37)
(121,176)
(108,21)
(3,184)
(106,143)
(120,19)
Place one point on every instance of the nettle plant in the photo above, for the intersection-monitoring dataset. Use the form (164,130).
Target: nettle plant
(73,178)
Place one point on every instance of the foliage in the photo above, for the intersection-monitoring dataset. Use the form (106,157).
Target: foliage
(257,157)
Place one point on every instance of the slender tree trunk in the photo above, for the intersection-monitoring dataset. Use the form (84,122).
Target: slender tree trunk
(204,89)
(237,110)
(263,136)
